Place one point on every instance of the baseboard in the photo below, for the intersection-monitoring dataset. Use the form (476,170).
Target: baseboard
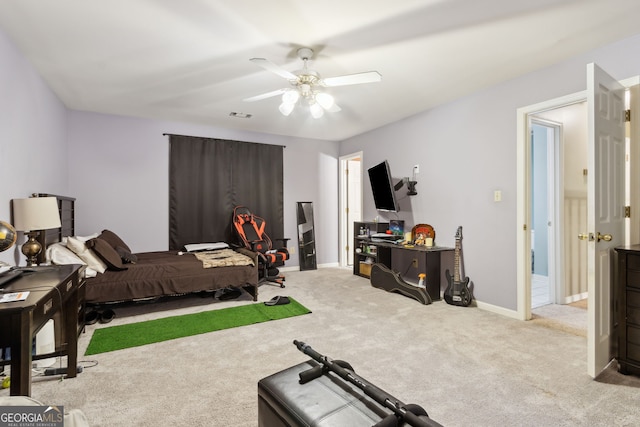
(575,297)
(297,268)
(498,310)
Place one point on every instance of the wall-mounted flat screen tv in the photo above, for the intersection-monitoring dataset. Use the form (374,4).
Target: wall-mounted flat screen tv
(384,195)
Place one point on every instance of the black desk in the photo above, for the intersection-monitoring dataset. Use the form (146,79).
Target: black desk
(54,290)
(409,261)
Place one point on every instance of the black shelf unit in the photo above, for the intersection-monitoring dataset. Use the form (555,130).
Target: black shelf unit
(365,252)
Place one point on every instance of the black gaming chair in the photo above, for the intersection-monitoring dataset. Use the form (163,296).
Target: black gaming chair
(250,230)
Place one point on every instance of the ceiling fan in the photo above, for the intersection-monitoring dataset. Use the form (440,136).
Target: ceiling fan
(306,85)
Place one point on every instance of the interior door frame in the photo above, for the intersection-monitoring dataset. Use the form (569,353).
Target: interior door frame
(344,227)
(523,198)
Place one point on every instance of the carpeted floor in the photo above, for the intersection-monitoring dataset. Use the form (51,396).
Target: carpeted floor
(566,317)
(465,366)
(580,304)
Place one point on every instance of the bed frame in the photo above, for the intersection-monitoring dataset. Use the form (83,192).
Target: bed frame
(97,289)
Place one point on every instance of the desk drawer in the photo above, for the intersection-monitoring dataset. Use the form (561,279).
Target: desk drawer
(633,278)
(633,308)
(633,262)
(633,343)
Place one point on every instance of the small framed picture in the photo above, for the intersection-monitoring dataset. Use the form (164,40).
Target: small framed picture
(397,227)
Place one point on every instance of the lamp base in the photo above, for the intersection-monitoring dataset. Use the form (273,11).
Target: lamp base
(31,249)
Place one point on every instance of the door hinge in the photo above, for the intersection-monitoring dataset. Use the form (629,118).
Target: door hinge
(627,115)
(524,227)
(627,211)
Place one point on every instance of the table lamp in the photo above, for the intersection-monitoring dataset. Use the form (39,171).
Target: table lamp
(32,215)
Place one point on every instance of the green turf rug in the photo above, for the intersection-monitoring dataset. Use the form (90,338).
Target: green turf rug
(151,331)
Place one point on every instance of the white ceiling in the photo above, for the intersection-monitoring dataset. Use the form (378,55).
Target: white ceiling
(189,60)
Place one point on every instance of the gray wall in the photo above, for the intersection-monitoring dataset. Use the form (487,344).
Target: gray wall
(466,150)
(33,146)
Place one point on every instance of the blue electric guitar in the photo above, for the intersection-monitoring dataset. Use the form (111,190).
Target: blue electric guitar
(457,292)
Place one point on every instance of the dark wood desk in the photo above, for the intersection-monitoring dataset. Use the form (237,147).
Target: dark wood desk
(54,291)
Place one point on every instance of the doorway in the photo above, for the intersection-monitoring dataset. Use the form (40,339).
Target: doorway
(552,165)
(350,203)
(558,204)
(545,151)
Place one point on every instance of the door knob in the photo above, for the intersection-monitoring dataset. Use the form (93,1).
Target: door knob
(605,237)
(585,236)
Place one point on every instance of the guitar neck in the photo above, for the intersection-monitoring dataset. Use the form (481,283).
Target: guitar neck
(456,263)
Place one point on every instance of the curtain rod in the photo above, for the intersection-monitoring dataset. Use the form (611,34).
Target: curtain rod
(206,137)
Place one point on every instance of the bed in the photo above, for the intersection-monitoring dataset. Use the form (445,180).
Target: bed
(142,276)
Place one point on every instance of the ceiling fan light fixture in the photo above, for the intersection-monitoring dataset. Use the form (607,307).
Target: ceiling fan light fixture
(316,110)
(286,108)
(325,100)
(290,97)
(306,84)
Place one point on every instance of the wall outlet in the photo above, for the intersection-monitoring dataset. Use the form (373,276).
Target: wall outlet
(497,196)
(292,250)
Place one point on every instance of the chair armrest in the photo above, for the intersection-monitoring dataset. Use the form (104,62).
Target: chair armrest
(284,240)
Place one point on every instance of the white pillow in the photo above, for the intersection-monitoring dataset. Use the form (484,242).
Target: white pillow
(86,254)
(90,272)
(58,253)
(81,238)
(195,247)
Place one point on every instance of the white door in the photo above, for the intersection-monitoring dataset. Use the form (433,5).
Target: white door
(605,207)
(350,203)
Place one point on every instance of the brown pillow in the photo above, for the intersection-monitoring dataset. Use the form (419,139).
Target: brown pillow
(113,239)
(106,253)
(127,256)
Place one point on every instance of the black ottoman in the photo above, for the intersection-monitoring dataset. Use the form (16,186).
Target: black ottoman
(327,401)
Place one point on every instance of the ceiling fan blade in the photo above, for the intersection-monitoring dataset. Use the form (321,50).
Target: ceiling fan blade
(270,66)
(352,79)
(265,95)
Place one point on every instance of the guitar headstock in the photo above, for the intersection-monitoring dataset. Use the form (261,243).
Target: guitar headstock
(459,233)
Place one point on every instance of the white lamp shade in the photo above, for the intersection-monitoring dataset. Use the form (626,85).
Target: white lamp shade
(35,213)
(286,108)
(290,97)
(316,110)
(325,100)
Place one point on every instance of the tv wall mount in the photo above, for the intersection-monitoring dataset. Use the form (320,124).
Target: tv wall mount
(411,186)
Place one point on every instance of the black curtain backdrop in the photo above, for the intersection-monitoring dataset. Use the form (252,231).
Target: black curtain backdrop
(209,177)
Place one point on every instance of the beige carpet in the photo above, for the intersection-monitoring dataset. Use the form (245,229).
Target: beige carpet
(568,318)
(580,303)
(465,366)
